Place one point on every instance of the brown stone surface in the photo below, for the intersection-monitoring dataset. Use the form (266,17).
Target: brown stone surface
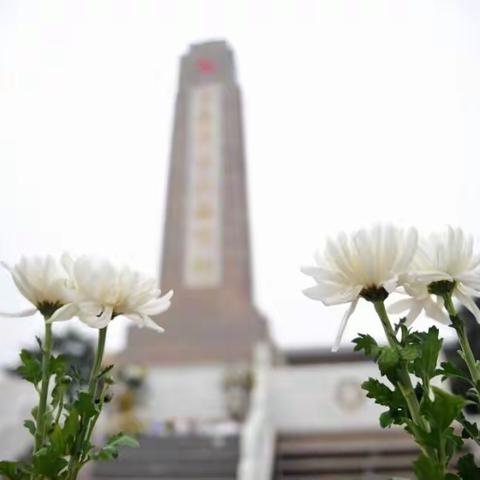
(208,324)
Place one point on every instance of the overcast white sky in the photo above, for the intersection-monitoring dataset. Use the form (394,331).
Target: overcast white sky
(355,111)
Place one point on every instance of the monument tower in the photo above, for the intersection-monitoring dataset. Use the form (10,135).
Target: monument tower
(206,247)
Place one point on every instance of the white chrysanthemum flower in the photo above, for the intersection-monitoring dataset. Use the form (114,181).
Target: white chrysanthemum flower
(44,282)
(104,292)
(367,263)
(419,299)
(446,260)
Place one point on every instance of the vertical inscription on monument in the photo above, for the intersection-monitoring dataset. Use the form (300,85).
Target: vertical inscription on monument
(203,255)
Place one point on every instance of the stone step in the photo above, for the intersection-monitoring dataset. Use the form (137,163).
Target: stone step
(188,442)
(334,451)
(162,470)
(340,456)
(198,476)
(403,475)
(172,458)
(193,455)
(354,464)
(369,441)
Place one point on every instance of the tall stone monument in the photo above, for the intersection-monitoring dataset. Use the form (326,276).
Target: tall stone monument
(206,248)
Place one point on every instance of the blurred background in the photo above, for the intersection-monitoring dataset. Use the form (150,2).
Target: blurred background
(353,112)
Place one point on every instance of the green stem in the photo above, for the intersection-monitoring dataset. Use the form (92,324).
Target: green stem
(93,383)
(406,387)
(405,383)
(97,364)
(76,460)
(93,420)
(438,454)
(463,340)
(42,406)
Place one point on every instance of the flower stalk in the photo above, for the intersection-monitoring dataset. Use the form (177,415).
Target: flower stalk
(405,382)
(78,458)
(459,327)
(97,364)
(94,381)
(42,405)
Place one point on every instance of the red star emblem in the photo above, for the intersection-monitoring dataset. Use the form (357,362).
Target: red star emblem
(204,65)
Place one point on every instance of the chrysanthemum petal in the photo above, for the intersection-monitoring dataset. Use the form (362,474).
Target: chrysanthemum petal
(23,313)
(414,312)
(401,306)
(391,284)
(469,279)
(343,325)
(155,307)
(90,308)
(106,315)
(408,250)
(337,258)
(24,286)
(435,311)
(68,263)
(64,313)
(149,323)
(135,318)
(331,295)
(432,276)
(467,302)
(321,274)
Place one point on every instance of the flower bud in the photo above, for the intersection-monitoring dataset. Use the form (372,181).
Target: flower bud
(108,397)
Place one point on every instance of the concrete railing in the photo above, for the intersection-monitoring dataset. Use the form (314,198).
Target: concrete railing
(257,442)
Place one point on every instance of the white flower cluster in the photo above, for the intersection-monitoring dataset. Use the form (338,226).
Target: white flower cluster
(93,290)
(373,263)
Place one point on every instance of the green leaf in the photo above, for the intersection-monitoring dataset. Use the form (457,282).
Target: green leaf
(449,370)
(11,471)
(378,391)
(31,368)
(470,429)
(472,394)
(57,440)
(120,439)
(453,442)
(388,360)
(467,468)
(393,399)
(386,420)
(57,394)
(47,462)
(110,450)
(367,344)
(57,365)
(85,405)
(444,409)
(427,469)
(425,366)
(70,429)
(30,426)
